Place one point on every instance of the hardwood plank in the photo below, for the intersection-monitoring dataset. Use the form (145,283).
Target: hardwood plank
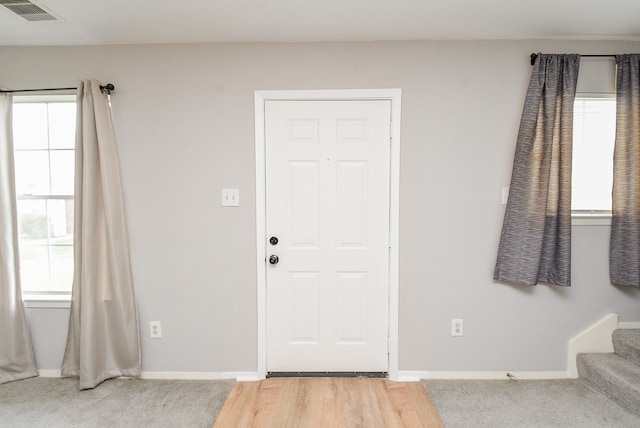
(324,395)
(324,403)
(236,410)
(266,404)
(328,402)
(413,405)
(368,399)
(423,405)
(293,403)
(390,417)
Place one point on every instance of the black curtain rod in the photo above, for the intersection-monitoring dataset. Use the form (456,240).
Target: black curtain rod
(535,55)
(104,88)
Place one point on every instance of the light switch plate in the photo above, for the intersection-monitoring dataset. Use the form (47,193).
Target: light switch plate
(230,197)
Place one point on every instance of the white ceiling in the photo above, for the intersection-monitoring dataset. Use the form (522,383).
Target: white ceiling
(99,22)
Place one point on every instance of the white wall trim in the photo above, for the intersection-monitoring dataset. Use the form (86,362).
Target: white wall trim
(596,338)
(629,324)
(590,221)
(240,376)
(394,95)
(50,373)
(48,303)
(402,375)
(414,376)
(411,376)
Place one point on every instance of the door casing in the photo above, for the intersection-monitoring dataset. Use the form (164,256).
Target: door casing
(394,95)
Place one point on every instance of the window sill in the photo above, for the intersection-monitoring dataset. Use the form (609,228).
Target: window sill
(47,301)
(591,220)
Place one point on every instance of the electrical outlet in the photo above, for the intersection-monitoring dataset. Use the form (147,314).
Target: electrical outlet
(230,197)
(456,327)
(155,329)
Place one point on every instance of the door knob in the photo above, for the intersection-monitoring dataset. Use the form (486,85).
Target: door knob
(273,240)
(273,259)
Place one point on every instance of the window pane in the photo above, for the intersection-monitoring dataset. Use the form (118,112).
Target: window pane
(30,126)
(34,253)
(61,242)
(34,268)
(32,172)
(32,222)
(62,264)
(62,172)
(46,244)
(62,125)
(60,219)
(593,141)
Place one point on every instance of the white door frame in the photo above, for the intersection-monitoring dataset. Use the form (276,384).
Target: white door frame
(394,95)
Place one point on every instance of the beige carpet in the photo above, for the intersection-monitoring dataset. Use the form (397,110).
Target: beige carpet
(57,403)
(562,403)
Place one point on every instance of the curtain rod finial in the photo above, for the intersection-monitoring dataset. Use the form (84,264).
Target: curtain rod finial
(534,56)
(107,88)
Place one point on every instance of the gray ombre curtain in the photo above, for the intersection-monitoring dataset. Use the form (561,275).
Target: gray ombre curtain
(624,249)
(104,337)
(535,244)
(16,352)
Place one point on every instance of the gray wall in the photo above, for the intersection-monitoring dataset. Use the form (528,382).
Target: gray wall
(185,126)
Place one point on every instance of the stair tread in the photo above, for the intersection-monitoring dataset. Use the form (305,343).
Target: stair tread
(615,364)
(614,376)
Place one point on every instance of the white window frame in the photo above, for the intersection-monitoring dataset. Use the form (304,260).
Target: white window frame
(593,218)
(45,300)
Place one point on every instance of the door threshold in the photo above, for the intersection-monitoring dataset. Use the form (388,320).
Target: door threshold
(371,375)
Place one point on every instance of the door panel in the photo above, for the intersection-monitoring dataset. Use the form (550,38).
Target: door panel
(327,193)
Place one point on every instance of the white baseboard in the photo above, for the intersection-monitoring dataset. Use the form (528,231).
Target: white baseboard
(403,376)
(410,376)
(49,373)
(413,376)
(241,376)
(631,324)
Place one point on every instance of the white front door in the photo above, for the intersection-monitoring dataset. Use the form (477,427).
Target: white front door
(327,205)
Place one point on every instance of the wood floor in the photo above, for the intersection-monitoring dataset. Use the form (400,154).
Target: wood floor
(328,402)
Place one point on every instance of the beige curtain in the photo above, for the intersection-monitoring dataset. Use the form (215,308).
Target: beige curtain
(535,244)
(16,352)
(104,338)
(624,248)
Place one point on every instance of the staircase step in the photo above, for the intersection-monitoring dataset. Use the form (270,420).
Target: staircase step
(613,376)
(626,343)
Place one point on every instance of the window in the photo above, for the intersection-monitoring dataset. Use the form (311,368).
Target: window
(594,130)
(44,142)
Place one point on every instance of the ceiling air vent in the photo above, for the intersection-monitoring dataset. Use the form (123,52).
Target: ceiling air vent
(28,10)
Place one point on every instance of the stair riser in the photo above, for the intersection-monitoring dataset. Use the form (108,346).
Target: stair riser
(626,343)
